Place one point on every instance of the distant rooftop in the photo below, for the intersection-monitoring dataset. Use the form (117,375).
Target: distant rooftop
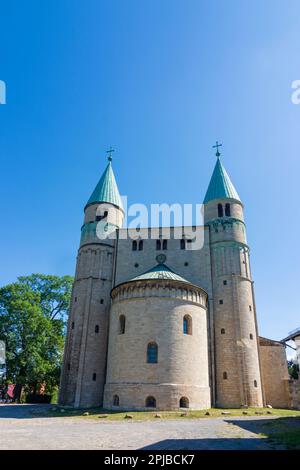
(292,334)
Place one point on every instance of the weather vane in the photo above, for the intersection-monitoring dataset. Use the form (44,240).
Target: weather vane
(217,147)
(110,151)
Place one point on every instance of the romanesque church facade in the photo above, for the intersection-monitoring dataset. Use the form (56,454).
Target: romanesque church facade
(155,324)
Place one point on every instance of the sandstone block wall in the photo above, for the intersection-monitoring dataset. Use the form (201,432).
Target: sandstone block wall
(295,394)
(155,314)
(275,375)
(84,364)
(238,378)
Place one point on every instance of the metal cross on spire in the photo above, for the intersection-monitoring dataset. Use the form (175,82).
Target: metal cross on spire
(110,151)
(217,147)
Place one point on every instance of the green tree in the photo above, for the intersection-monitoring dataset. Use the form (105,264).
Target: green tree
(33,313)
(293,370)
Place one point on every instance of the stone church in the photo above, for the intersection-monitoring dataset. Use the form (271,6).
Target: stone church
(154,324)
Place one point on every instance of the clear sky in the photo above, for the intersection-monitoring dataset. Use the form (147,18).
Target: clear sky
(160,80)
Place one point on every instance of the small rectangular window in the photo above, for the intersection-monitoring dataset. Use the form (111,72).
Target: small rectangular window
(250,308)
(101,301)
(227,210)
(221,302)
(94,376)
(225,283)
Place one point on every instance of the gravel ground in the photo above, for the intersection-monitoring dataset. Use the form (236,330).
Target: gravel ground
(25,427)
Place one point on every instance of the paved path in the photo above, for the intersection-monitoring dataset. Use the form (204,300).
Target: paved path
(23,427)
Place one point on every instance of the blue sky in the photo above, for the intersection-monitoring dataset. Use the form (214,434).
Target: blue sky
(160,80)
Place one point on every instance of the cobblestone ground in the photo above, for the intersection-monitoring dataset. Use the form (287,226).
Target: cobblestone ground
(23,427)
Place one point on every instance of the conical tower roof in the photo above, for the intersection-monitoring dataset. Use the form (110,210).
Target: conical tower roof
(160,271)
(106,189)
(220,186)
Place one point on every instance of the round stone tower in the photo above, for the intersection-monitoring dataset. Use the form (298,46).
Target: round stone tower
(237,367)
(84,364)
(157,353)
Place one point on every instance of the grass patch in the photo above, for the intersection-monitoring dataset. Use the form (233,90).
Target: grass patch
(104,415)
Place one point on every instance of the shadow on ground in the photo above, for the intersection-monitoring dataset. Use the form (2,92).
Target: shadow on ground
(281,433)
(24,411)
(27,411)
(210,444)
(272,434)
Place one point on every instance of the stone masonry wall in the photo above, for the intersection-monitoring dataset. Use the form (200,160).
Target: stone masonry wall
(274,373)
(84,364)
(238,378)
(182,367)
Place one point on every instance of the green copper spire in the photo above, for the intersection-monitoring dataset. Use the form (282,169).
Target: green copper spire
(220,186)
(107,189)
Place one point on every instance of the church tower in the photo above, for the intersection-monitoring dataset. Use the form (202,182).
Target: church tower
(237,368)
(84,364)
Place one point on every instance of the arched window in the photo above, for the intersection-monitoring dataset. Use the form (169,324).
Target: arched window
(187,325)
(134,245)
(225,376)
(150,402)
(255,383)
(222,331)
(182,244)
(165,244)
(184,402)
(141,245)
(158,244)
(227,209)
(96,328)
(220,210)
(116,400)
(152,353)
(122,321)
